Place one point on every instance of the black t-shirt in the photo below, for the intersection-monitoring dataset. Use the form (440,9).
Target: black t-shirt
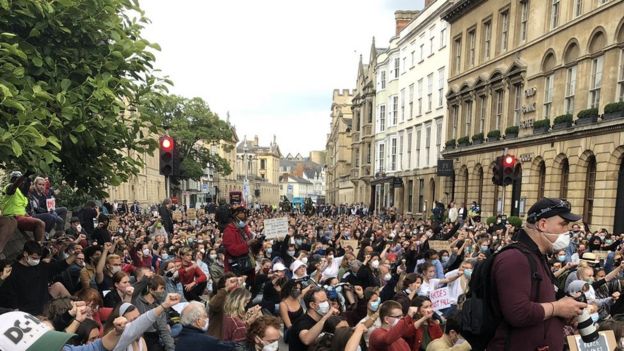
(303,323)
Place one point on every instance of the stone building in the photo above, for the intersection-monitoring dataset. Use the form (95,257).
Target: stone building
(338,146)
(516,63)
(309,172)
(259,166)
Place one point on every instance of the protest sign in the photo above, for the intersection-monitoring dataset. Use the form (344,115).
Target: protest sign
(439,245)
(601,255)
(440,299)
(191,214)
(51,204)
(606,342)
(275,227)
(177,216)
(113,225)
(352,243)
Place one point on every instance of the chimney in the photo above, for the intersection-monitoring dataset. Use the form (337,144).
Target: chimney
(403,18)
(256,140)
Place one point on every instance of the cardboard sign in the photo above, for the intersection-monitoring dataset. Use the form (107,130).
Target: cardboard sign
(353,244)
(439,245)
(440,299)
(177,216)
(601,255)
(191,214)
(113,225)
(275,227)
(51,204)
(606,342)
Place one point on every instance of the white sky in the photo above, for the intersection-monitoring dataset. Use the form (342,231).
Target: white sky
(273,64)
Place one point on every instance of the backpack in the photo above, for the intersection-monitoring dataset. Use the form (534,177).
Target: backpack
(480,313)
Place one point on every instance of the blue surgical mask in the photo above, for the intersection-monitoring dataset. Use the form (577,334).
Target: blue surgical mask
(561,258)
(484,248)
(269,250)
(435,262)
(595,317)
(445,259)
(374,306)
(468,273)
(240,224)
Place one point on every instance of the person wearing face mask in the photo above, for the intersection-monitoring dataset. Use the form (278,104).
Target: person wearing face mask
(395,328)
(228,283)
(532,317)
(263,334)
(307,328)
(193,336)
(290,309)
(371,321)
(26,288)
(236,238)
(152,293)
(452,339)
(216,265)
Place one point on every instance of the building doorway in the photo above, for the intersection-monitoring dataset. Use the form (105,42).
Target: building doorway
(618,225)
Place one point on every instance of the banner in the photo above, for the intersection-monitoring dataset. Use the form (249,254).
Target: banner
(440,299)
(275,227)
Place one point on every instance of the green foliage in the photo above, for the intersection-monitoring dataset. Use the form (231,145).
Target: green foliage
(69,69)
(588,113)
(490,220)
(194,128)
(494,134)
(541,123)
(465,140)
(563,119)
(478,136)
(451,143)
(614,107)
(513,130)
(515,221)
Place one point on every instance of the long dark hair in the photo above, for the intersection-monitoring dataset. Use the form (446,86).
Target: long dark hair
(83,331)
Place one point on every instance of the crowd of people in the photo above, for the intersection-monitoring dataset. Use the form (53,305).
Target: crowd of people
(339,278)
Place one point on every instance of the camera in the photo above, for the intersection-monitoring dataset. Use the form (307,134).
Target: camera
(586,327)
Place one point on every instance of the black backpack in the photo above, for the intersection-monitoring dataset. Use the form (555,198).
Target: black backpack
(480,313)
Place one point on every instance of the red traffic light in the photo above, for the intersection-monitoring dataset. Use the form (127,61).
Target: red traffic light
(166,143)
(509,161)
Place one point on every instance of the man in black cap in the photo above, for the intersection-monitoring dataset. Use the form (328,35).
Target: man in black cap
(532,316)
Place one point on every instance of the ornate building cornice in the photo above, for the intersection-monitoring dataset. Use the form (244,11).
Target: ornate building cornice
(458,9)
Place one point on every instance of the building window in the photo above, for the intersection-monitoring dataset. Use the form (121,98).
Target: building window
(565,175)
(393,154)
(397,63)
(548,94)
(487,40)
(441,84)
(418,140)
(442,37)
(482,112)
(596,82)
(381,157)
(500,95)
(504,30)
(524,20)
(570,90)
(410,194)
(541,182)
(472,42)
(554,13)
(429,92)
(404,69)
(262,164)
(590,185)
(412,55)
(401,152)
(517,104)
(368,154)
(621,77)
(438,136)
(468,114)
(411,101)
(421,195)
(454,121)
(428,143)
(420,93)
(383,79)
(395,109)
(458,55)
(431,40)
(382,118)
(409,149)
(480,186)
(370,112)
(578,8)
(402,104)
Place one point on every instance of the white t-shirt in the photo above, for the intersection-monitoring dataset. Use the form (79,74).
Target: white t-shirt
(370,330)
(332,270)
(426,288)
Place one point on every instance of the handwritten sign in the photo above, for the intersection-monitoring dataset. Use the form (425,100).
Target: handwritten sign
(51,204)
(352,243)
(177,216)
(113,225)
(439,245)
(606,342)
(191,214)
(601,255)
(440,299)
(275,227)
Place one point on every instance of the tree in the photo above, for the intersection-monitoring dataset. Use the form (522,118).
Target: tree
(69,72)
(194,128)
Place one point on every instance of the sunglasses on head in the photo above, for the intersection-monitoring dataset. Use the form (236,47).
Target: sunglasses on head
(561,204)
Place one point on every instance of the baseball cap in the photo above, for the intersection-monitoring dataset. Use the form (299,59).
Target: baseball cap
(20,331)
(547,207)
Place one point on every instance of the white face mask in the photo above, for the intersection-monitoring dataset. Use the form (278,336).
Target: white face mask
(115,269)
(387,276)
(304,260)
(562,242)
(32,262)
(274,346)
(323,308)
(146,252)
(205,326)
(394,321)
(78,228)
(375,264)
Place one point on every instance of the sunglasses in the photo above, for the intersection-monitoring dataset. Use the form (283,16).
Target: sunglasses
(562,204)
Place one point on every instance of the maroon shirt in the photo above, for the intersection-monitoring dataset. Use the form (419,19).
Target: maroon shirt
(511,272)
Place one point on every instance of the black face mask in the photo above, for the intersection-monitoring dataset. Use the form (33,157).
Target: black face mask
(295,293)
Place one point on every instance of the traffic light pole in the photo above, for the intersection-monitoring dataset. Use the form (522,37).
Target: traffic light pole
(166,187)
(503,186)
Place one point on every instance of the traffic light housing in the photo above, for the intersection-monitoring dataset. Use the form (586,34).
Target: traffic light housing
(166,145)
(497,171)
(509,165)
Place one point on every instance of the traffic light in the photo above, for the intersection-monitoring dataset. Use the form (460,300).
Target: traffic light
(497,171)
(167,148)
(509,165)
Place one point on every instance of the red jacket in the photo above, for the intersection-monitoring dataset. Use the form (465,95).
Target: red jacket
(435,332)
(234,243)
(187,276)
(392,340)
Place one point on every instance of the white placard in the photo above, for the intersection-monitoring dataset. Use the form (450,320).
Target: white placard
(275,227)
(440,299)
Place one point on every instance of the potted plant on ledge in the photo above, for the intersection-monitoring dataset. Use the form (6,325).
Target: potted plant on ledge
(562,122)
(541,126)
(613,110)
(477,139)
(493,135)
(588,116)
(463,141)
(512,132)
(450,144)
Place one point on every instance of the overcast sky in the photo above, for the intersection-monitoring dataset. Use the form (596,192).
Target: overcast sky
(271,63)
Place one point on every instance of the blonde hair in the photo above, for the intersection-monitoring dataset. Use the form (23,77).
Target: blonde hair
(236,302)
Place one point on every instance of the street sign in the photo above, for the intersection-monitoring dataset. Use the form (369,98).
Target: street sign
(445,168)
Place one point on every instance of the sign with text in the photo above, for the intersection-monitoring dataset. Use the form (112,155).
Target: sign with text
(606,342)
(113,225)
(439,245)
(445,168)
(177,216)
(440,299)
(275,227)
(51,204)
(353,244)
(191,214)
(601,255)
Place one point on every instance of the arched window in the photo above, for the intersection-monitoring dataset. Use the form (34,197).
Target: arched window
(565,174)
(479,186)
(541,182)
(590,184)
(466,186)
